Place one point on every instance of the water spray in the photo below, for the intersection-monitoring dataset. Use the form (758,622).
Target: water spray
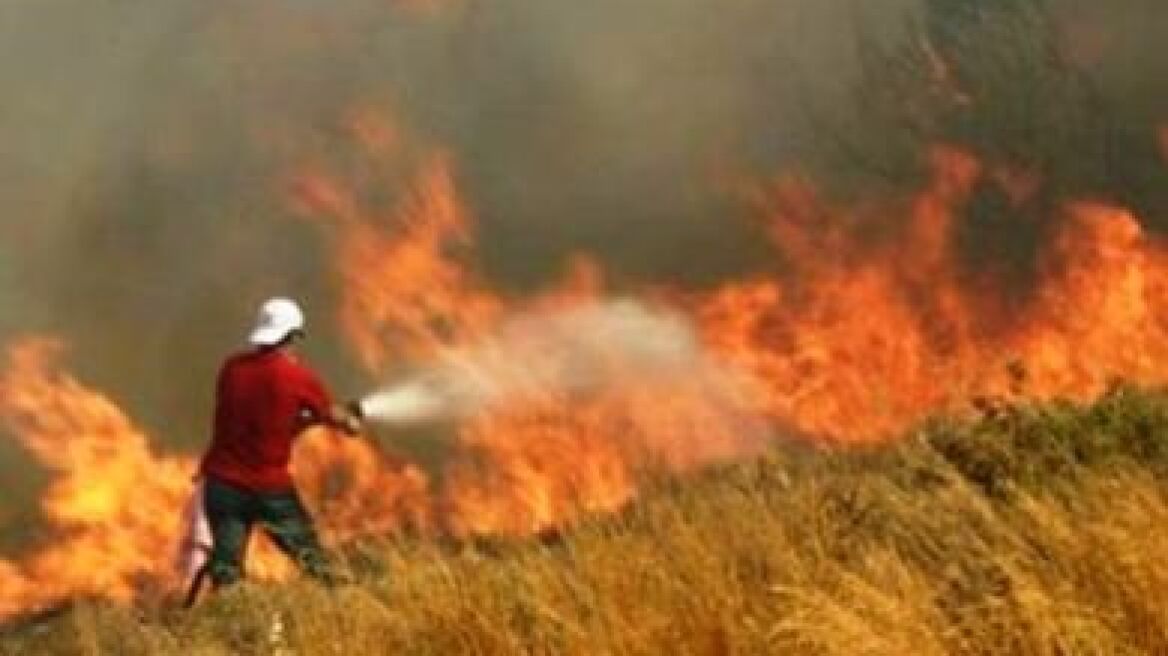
(585,348)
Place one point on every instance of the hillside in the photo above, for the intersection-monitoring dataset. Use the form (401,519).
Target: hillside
(1034,530)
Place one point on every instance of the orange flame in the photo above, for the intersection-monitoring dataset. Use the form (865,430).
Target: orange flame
(874,337)
(357,491)
(854,350)
(113,505)
(865,333)
(543,457)
(402,288)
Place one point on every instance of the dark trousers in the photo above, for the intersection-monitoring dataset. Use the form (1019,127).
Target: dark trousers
(232,512)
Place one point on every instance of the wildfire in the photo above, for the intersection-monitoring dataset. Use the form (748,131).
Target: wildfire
(857,339)
(113,508)
(108,495)
(541,456)
(872,337)
(402,287)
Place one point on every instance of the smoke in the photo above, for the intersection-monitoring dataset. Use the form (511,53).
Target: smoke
(584,349)
(144,147)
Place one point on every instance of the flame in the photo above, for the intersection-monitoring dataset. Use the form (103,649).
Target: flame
(542,457)
(872,337)
(854,349)
(402,288)
(860,338)
(542,460)
(871,325)
(1100,314)
(112,506)
(356,490)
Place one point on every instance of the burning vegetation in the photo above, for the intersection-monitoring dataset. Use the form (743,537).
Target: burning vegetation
(876,314)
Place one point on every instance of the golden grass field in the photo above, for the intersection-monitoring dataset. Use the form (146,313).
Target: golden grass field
(1040,530)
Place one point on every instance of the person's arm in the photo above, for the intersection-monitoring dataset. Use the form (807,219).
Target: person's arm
(318,408)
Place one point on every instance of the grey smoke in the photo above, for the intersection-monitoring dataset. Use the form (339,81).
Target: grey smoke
(143,147)
(143,144)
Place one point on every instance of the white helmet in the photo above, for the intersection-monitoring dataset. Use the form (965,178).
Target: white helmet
(278,318)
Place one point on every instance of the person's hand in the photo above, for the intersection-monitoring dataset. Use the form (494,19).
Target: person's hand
(348,418)
(351,425)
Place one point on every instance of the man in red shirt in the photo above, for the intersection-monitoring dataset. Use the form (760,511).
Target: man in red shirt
(264,398)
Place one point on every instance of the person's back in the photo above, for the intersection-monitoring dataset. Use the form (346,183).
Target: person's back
(264,399)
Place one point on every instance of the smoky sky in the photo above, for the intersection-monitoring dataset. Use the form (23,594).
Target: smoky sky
(145,147)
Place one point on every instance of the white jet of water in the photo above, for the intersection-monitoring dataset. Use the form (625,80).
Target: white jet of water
(408,402)
(582,348)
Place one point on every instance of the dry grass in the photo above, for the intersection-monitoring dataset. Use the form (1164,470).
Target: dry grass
(1041,531)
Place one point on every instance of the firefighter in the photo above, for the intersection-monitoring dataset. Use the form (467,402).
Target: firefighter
(265,397)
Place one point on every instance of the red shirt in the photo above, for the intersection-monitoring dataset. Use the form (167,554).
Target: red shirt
(264,398)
